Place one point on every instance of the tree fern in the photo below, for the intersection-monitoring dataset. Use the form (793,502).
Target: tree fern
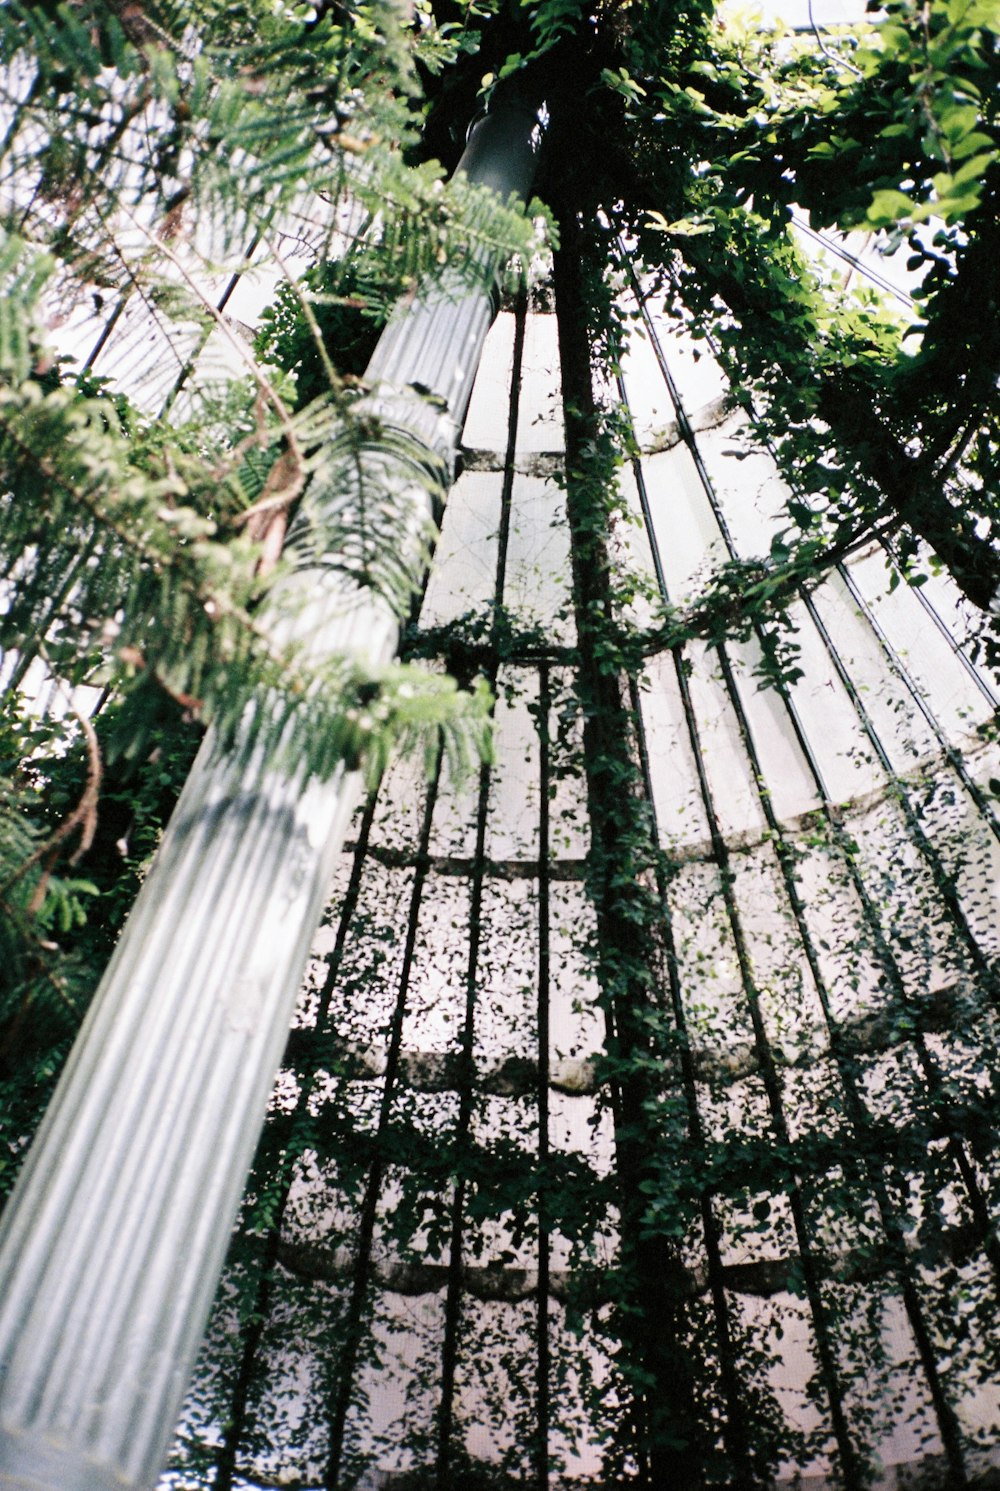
(151,156)
(144,151)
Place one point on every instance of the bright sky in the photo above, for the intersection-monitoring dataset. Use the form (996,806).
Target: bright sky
(825,12)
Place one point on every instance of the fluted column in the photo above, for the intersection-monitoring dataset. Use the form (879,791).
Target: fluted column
(111,1246)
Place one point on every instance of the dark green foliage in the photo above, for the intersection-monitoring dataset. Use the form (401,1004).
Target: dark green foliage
(693,141)
(64,898)
(145,151)
(346,320)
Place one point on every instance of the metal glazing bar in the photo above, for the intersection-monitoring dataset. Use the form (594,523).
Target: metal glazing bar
(956,914)
(509,465)
(31,647)
(860,1117)
(227,1462)
(189,364)
(893,975)
(945,1413)
(106,330)
(453,1296)
(954,757)
(833,247)
(941,878)
(796,1187)
(983,686)
(735,1431)
(342,1395)
(542,1345)
(463,1126)
(955,911)
(988,692)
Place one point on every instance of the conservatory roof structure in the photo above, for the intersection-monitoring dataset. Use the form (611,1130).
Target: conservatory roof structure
(818,1027)
(437,1272)
(636,1123)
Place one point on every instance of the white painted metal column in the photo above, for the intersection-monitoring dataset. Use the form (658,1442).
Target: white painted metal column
(113,1241)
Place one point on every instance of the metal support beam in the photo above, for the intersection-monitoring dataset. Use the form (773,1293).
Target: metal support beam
(113,1241)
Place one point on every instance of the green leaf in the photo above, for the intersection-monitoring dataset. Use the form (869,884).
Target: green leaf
(888,207)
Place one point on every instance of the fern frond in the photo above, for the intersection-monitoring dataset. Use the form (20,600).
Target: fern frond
(123,544)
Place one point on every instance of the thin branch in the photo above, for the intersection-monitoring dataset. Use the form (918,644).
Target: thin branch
(831,56)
